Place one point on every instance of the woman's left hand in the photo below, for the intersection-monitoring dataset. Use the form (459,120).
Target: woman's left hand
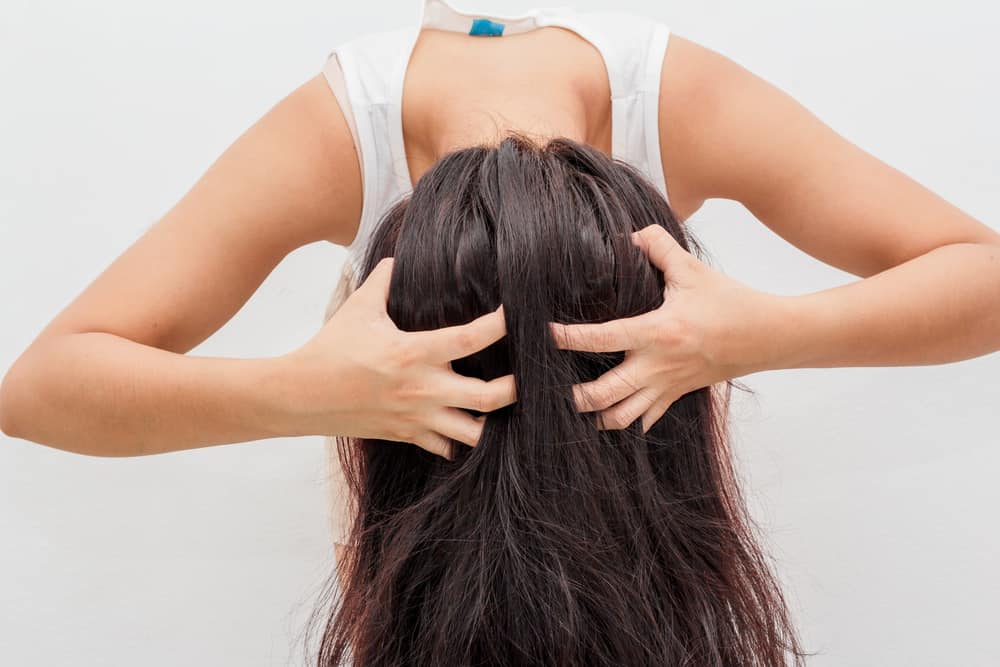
(710,328)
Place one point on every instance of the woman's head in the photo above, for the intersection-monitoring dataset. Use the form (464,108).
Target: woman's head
(552,542)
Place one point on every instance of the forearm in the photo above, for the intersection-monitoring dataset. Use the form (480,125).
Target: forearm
(940,307)
(104,395)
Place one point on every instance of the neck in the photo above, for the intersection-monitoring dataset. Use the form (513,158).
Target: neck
(586,121)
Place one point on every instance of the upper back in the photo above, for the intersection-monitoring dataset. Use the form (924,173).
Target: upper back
(444,82)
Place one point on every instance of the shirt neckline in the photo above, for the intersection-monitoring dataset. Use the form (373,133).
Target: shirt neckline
(440,15)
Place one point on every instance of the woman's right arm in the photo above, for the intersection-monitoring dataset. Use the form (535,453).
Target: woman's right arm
(109,375)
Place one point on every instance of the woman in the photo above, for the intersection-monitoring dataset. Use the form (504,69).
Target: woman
(929,270)
(294,178)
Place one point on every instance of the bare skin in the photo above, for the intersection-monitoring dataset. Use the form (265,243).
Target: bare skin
(108,380)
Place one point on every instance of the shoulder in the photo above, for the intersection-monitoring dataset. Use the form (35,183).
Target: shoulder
(727,133)
(682,89)
(708,103)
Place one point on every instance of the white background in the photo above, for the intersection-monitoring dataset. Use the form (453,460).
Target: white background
(875,487)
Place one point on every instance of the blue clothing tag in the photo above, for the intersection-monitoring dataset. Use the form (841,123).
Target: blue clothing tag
(486,27)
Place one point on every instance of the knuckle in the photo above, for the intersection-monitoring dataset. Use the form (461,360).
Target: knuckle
(601,397)
(661,335)
(604,337)
(437,445)
(690,335)
(616,420)
(410,391)
(569,336)
(493,397)
(624,377)
(630,415)
(488,401)
(606,397)
(420,391)
(413,426)
(682,328)
(628,419)
(585,397)
(672,331)
(464,340)
(405,432)
(469,436)
(501,397)
(406,353)
(481,401)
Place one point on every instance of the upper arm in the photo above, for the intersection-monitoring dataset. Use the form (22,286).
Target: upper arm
(290,179)
(727,133)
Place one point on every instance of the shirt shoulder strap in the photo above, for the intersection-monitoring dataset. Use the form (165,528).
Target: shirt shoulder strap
(634,47)
(368,68)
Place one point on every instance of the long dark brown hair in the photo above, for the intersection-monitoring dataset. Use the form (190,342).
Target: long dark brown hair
(552,542)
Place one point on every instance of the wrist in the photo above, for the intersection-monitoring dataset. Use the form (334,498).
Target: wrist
(274,386)
(305,396)
(795,332)
(780,333)
(263,386)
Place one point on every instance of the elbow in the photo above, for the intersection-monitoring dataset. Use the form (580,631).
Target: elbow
(19,418)
(28,412)
(16,418)
(9,389)
(18,397)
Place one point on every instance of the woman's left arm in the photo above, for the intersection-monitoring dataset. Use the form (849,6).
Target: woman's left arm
(930,288)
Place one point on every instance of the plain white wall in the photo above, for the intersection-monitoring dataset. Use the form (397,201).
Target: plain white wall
(875,487)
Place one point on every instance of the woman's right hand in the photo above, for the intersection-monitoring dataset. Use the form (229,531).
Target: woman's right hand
(361,376)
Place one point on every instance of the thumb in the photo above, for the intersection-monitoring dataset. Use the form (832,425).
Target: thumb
(661,248)
(376,285)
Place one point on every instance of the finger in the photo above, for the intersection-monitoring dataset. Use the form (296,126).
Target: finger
(476,394)
(613,386)
(624,413)
(436,444)
(378,280)
(659,246)
(611,336)
(461,340)
(457,425)
(655,412)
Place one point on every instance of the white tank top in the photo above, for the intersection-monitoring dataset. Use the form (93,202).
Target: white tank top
(366,75)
